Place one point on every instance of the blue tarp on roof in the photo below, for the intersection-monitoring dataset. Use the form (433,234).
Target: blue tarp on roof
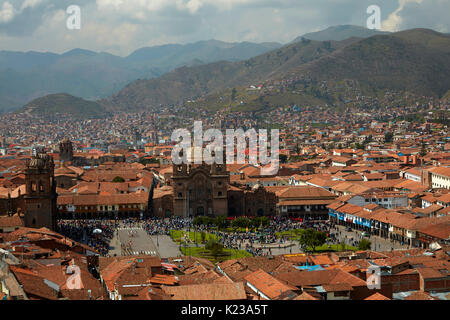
(316,267)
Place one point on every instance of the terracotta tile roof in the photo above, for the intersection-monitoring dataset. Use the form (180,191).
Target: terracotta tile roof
(322,259)
(268,285)
(377,296)
(305,296)
(438,230)
(430,273)
(12,221)
(420,295)
(316,278)
(214,291)
(304,192)
(34,284)
(336,287)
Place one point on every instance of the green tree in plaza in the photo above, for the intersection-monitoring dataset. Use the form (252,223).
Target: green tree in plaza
(311,238)
(202,221)
(260,221)
(364,244)
(118,179)
(221,222)
(283,158)
(342,246)
(241,222)
(214,247)
(203,236)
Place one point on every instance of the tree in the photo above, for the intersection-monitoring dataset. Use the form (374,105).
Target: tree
(283,158)
(241,222)
(312,239)
(260,221)
(364,244)
(203,236)
(202,221)
(118,179)
(221,222)
(214,247)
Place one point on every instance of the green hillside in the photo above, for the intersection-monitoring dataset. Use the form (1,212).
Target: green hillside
(64,104)
(415,60)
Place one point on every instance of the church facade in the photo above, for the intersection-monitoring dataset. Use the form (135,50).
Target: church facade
(200,190)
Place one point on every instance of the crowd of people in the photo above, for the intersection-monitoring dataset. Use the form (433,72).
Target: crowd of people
(163,226)
(94,233)
(83,231)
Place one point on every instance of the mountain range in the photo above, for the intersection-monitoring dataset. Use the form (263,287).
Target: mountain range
(338,33)
(91,75)
(415,60)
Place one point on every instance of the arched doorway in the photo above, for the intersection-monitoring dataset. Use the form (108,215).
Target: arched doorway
(260,212)
(200,211)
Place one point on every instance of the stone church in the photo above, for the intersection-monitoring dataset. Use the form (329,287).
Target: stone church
(35,202)
(200,189)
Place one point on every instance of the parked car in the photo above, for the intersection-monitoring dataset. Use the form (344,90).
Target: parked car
(348,229)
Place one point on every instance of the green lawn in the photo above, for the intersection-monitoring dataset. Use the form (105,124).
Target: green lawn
(293,234)
(177,235)
(201,252)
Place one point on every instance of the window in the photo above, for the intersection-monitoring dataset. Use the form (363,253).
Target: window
(220,193)
(180,195)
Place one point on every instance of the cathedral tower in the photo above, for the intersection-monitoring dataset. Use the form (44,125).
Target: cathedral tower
(40,197)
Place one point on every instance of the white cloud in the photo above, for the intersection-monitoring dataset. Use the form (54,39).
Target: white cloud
(30,4)
(7,12)
(122,26)
(395,20)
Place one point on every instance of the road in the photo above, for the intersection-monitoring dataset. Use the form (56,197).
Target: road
(136,241)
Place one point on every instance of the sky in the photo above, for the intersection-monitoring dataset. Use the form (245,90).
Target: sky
(122,26)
